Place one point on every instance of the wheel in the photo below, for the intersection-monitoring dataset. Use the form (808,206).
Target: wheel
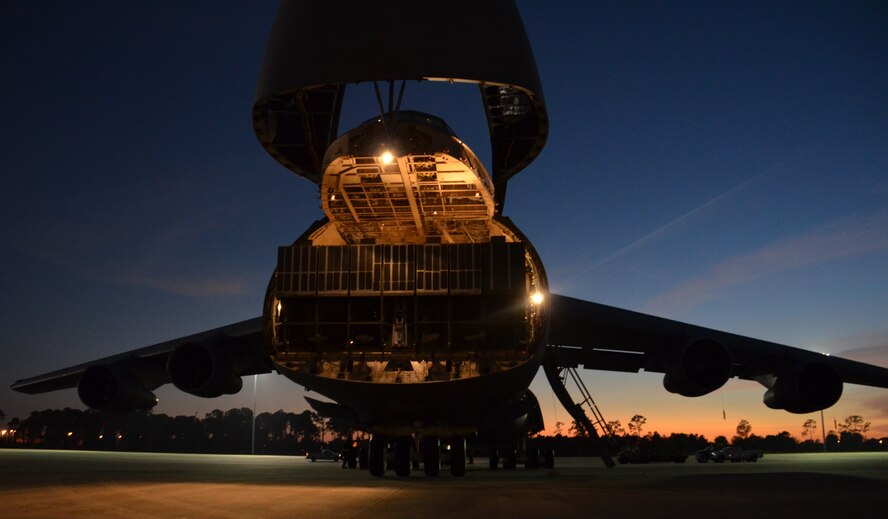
(402,455)
(431,456)
(313,459)
(351,458)
(532,461)
(510,460)
(493,460)
(549,458)
(458,457)
(362,457)
(376,456)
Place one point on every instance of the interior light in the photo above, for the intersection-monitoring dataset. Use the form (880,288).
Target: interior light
(536,298)
(386,157)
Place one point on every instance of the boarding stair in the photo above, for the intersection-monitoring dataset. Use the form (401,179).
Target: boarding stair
(585,412)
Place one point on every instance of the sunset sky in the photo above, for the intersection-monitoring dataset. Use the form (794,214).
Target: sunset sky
(723,164)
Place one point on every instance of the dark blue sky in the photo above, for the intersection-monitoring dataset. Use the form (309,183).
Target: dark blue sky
(724,164)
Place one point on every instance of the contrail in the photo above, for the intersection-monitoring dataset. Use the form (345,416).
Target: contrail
(644,239)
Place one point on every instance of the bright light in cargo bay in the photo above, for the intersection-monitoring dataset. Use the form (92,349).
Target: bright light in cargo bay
(386,157)
(536,298)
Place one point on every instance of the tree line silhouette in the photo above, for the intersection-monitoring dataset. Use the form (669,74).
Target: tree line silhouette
(282,432)
(217,432)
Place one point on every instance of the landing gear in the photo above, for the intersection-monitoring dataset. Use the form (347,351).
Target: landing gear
(351,458)
(402,455)
(458,457)
(363,463)
(548,458)
(431,455)
(494,459)
(532,459)
(510,458)
(376,456)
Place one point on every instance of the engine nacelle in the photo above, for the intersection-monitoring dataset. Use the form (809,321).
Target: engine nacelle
(697,367)
(204,369)
(111,389)
(805,388)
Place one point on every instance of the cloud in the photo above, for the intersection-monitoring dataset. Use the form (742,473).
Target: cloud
(109,252)
(189,287)
(875,353)
(848,237)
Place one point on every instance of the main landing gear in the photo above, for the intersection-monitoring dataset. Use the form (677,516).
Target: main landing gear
(534,457)
(399,454)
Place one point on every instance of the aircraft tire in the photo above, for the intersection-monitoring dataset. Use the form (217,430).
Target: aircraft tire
(458,457)
(532,460)
(493,461)
(510,459)
(431,456)
(362,457)
(351,458)
(376,456)
(402,456)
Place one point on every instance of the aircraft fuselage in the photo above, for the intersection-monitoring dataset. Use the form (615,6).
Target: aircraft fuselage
(414,305)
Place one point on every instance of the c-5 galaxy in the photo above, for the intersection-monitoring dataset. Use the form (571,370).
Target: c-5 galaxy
(414,305)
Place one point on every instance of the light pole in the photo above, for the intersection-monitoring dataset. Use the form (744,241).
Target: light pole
(253,429)
(823,430)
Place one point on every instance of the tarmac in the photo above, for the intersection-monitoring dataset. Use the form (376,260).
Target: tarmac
(75,484)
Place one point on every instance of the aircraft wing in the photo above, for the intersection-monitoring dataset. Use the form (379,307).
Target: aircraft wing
(698,360)
(203,360)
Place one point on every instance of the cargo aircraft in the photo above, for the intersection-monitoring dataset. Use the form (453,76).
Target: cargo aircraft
(414,305)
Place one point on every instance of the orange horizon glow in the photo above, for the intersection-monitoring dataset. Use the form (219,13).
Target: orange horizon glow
(712,415)
(728,430)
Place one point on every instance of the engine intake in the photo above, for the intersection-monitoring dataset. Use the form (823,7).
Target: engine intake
(111,389)
(204,369)
(805,388)
(698,367)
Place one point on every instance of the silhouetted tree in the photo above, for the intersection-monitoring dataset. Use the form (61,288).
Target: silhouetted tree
(808,428)
(13,427)
(558,426)
(686,443)
(854,424)
(743,429)
(635,424)
(832,440)
(616,428)
(576,430)
(188,434)
(306,431)
(780,442)
(720,441)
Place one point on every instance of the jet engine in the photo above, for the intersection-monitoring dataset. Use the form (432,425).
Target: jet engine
(697,367)
(110,388)
(205,369)
(804,388)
